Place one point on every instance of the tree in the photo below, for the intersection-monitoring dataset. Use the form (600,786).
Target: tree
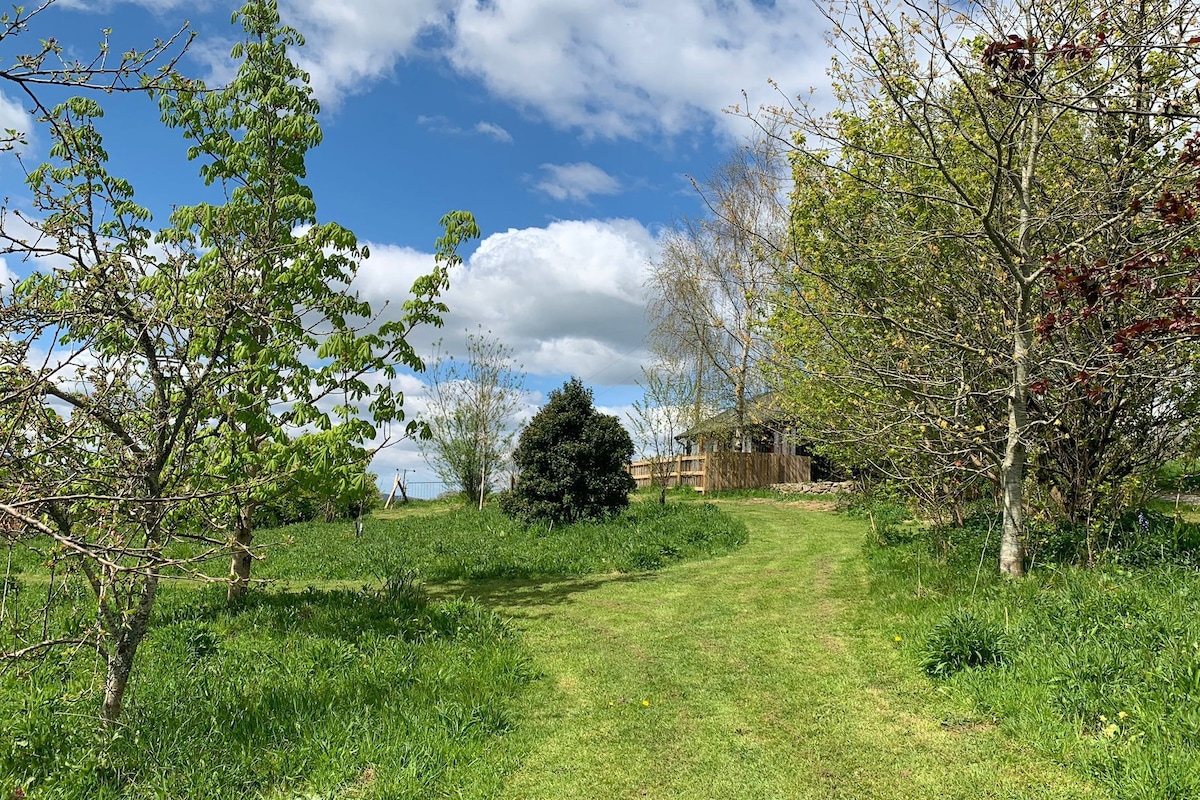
(710,288)
(49,65)
(969,151)
(664,412)
(344,490)
(152,384)
(472,409)
(572,462)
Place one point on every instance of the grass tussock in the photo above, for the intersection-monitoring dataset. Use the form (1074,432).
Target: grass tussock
(1098,667)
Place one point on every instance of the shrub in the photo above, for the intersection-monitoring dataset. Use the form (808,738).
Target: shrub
(572,462)
(963,640)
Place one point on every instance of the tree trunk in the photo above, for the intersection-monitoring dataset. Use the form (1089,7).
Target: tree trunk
(241,559)
(1012,469)
(116,680)
(123,647)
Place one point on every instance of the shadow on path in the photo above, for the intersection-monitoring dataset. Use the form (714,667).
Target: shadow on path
(532,598)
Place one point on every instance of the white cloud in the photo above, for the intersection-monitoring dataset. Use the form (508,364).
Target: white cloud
(440,124)
(577,181)
(437,123)
(212,52)
(7,277)
(352,42)
(617,70)
(13,117)
(609,69)
(493,130)
(568,298)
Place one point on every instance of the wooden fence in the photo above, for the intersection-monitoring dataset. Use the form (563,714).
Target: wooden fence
(712,472)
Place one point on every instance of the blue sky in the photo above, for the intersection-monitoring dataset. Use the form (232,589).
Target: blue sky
(568,127)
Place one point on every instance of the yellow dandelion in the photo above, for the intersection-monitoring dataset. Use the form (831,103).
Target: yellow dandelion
(645,702)
(897,639)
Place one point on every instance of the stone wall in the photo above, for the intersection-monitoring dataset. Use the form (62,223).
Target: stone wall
(816,487)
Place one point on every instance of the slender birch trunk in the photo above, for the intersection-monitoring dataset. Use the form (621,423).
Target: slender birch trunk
(1012,469)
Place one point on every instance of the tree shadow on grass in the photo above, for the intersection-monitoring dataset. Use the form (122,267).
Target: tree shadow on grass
(531,598)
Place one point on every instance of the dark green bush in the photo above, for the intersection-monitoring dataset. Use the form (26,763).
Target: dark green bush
(963,641)
(571,461)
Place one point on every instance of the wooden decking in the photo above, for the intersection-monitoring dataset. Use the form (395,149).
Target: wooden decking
(712,472)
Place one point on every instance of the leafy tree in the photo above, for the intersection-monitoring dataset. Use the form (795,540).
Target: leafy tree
(332,484)
(969,151)
(472,409)
(710,288)
(572,461)
(152,384)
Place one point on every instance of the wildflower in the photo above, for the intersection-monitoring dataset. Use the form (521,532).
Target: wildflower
(645,702)
(897,639)
(1111,730)
(1121,715)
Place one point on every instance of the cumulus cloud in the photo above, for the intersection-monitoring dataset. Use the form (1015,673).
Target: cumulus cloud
(353,42)
(577,181)
(568,297)
(617,70)
(608,69)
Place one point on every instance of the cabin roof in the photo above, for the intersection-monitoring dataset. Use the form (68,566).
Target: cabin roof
(762,410)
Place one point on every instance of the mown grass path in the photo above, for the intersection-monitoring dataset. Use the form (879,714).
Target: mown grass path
(761,674)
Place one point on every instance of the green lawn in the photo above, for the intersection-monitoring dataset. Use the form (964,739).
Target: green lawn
(761,674)
(739,669)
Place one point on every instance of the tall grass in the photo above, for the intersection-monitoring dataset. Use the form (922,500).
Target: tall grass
(1101,666)
(366,691)
(297,694)
(463,543)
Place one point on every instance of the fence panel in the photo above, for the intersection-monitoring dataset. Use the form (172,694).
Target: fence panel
(714,472)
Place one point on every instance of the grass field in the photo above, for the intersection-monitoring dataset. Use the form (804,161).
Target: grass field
(449,653)
(761,674)
(340,679)
(1101,666)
